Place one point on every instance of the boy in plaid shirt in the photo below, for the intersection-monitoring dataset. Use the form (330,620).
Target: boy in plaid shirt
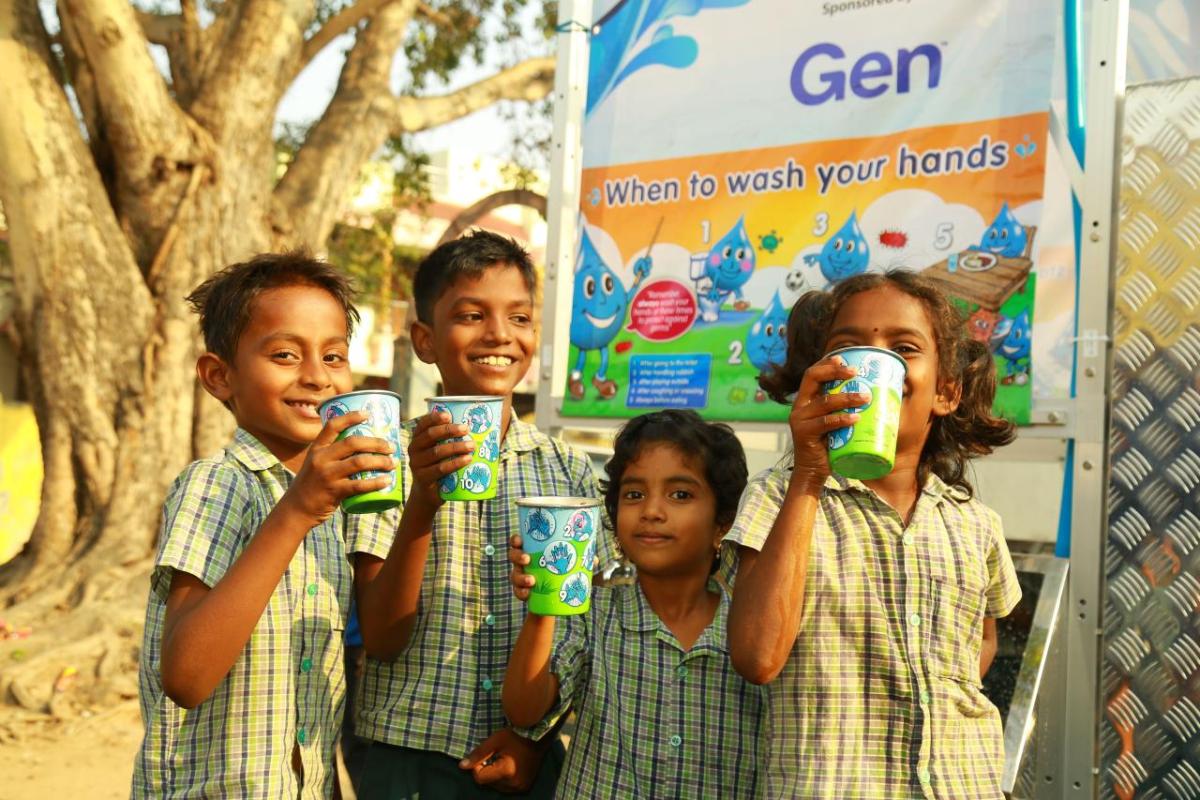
(662,713)
(241,678)
(869,608)
(438,617)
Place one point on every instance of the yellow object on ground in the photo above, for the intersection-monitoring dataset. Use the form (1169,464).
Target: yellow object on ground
(20,477)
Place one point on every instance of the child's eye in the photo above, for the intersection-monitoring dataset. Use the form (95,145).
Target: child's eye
(681,494)
(284,355)
(521,319)
(335,358)
(632,494)
(905,349)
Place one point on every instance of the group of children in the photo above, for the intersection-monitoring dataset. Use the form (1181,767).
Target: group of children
(801,635)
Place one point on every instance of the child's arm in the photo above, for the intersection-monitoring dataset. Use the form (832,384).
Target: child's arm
(987,652)
(768,597)
(388,589)
(205,629)
(530,688)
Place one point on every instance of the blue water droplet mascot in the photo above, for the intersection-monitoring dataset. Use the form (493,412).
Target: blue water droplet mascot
(598,314)
(843,255)
(1014,349)
(766,341)
(1005,237)
(729,265)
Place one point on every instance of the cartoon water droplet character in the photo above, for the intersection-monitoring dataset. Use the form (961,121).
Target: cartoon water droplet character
(1005,237)
(766,341)
(841,437)
(540,525)
(598,314)
(616,37)
(1014,350)
(335,410)
(770,242)
(845,254)
(589,555)
(476,478)
(489,448)
(580,526)
(448,483)
(478,418)
(559,558)
(729,265)
(574,591)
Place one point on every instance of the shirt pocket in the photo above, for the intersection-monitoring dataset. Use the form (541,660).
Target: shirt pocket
(956,634)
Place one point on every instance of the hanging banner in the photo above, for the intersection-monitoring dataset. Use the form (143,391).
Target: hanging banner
(738,153)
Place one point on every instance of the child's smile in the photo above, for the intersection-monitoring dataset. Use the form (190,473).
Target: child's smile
(290,358)
(482,334)
(665,513)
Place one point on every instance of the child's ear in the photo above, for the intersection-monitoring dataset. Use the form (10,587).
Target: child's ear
(946,401)
(421,336)
(213,373)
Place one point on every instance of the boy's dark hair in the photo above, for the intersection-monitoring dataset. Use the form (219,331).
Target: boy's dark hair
(226,300)
(713,444)
(971,430)
(469,255)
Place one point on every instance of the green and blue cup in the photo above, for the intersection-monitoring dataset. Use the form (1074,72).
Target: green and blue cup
(482,415)
(866,450)
(383,422)
(559,534)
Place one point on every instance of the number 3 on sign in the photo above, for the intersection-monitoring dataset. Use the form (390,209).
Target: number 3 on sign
(735,352)
(822,224)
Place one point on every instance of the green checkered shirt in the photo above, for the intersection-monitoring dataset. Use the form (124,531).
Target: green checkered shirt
(653,720)
(443,692)
(287,688)
(880,697)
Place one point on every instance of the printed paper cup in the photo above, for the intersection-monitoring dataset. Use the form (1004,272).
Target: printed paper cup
(867,449)
(384,423)
(482,416)
(559,534)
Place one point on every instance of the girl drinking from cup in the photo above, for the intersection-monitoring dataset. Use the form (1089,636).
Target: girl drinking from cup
(867,607)
(661,712)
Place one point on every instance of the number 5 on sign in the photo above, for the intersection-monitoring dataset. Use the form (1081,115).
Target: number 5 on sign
(944,236)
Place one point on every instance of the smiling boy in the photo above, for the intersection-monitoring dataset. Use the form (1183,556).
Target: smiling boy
(438,617)
(241,682)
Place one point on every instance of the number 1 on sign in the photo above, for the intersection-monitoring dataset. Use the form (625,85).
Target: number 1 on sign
(705,231)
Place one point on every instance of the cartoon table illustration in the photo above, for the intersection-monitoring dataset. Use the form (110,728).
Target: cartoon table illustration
(993,271)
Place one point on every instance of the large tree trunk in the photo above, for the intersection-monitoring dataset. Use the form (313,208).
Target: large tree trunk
(109,235)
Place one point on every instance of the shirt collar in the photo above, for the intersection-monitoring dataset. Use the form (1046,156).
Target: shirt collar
(250,452)
(637,615)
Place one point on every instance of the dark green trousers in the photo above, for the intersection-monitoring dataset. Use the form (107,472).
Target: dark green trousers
(400,773)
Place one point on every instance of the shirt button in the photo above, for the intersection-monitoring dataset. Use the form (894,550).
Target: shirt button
(681,671)
(301,736)
(486,683)
(923,776)
(305,664)
(914,620)
(908,539)
(312,589)
(490,619)
(489,550)
(676,741)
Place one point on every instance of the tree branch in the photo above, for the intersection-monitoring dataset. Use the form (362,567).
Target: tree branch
(161,29)
(481,208)
(530,80)
(335,26)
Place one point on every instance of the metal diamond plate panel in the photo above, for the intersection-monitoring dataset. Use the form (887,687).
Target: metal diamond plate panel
(1150,736)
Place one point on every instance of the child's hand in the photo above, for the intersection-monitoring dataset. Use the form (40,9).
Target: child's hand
(521,582)
(324,479)
(814,414)
(506,762)
(431,457)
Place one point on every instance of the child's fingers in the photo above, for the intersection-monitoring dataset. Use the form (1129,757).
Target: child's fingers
(818,426)
(336,425)
(363,485)
(427,421)
(825,370)
(360,444)
(438,432)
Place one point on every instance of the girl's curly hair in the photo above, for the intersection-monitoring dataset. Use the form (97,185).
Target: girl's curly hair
(971,430)
(713,445)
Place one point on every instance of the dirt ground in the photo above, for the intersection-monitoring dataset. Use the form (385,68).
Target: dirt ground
(91,756)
